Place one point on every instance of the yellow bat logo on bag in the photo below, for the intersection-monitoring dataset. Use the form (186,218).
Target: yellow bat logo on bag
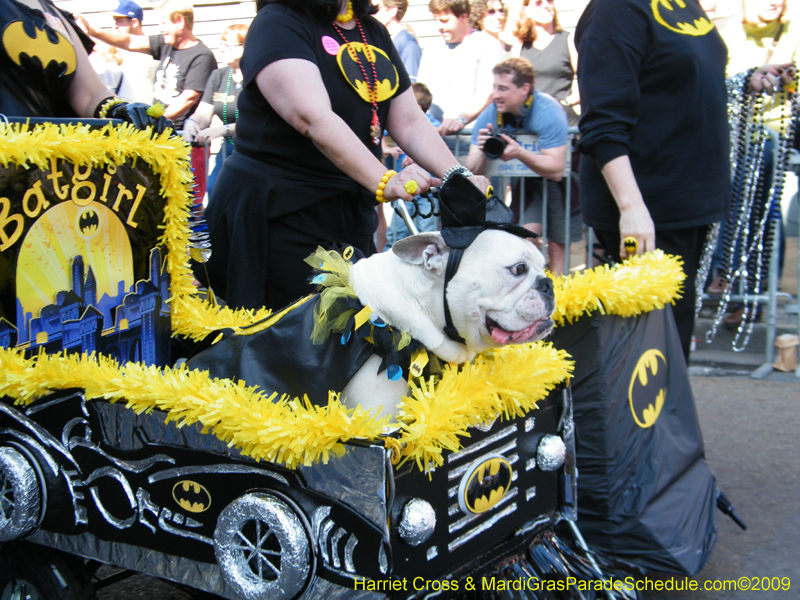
(648,388)
(17,43)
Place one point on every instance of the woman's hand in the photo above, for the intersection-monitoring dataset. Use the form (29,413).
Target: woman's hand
(190,130)
(481,182)
(210,133)
(396,187)
(769,78)
(636,222)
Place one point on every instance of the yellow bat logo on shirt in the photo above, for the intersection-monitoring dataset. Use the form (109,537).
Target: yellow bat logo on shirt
(17,42)
(388,79)
(675,17)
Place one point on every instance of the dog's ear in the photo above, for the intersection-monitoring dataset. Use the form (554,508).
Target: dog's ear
(427,249)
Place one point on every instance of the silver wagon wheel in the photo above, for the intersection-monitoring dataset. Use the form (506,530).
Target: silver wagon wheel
(20,495)
(262,548)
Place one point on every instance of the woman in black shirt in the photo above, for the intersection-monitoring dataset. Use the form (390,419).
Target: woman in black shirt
(322,80)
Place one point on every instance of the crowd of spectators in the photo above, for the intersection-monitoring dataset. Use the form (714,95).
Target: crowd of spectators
(463,89)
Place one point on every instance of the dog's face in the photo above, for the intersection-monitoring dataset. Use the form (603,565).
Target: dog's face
(499,295)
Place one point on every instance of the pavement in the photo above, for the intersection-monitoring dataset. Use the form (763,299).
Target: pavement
(750,431)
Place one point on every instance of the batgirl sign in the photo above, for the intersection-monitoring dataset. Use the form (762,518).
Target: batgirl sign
(77,262)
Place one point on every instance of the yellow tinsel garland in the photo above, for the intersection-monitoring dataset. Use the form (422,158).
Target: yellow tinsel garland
(168,156)
(291,430)
(635,286)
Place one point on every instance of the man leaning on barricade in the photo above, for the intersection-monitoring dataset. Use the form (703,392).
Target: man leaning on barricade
(517,108)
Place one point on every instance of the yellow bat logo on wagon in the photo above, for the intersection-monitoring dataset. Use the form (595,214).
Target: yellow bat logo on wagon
(17,42)
(486,484)
(191,496)
(648,388)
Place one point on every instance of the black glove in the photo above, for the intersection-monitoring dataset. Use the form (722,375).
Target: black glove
(136,114)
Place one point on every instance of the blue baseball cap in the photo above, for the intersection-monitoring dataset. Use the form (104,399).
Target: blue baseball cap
(129,9)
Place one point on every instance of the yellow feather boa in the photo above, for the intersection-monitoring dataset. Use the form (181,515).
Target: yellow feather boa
(635,286)
(291,430)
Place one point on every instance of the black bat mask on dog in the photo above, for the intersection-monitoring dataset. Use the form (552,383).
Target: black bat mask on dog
(463,211)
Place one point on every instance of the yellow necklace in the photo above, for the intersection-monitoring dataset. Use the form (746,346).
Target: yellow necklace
(348,15)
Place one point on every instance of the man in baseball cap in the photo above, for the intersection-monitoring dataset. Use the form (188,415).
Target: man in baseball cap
(129,10)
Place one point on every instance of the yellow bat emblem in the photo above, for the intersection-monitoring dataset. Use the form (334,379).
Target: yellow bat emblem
(388,78)
(191,496)
(17,42)
(648,388)
(485,484)
(670,14)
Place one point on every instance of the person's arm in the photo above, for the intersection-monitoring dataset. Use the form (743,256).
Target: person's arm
(548,162)
(200,120)
(181,104)
(198,74)
(414,133)
(112,37)
(634,218)
(472,108)
(476,159)
(295,90)
(609,57)
(574,95)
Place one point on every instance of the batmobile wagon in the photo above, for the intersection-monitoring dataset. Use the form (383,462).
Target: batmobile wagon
(109,456)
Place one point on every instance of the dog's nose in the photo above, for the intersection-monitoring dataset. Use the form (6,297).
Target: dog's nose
(544,285)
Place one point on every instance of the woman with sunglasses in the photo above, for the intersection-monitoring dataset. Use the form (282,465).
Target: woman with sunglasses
(220,98)
(489,16)
(552,53)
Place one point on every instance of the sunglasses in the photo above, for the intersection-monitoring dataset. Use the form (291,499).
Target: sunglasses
(491,11)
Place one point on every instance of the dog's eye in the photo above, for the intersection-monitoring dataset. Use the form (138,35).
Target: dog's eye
(519,269)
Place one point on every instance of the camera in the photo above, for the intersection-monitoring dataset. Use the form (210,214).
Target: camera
(494,146)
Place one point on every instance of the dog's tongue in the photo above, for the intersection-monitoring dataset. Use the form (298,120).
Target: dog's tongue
(501,336)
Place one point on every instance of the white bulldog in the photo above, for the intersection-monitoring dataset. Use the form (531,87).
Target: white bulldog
(498,296)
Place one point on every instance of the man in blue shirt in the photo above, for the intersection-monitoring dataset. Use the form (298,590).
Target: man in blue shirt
(518,108)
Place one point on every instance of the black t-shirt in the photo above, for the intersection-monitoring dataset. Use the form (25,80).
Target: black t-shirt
(178,70)
(223,91)
(37,60)
(652,84)
(279,33)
